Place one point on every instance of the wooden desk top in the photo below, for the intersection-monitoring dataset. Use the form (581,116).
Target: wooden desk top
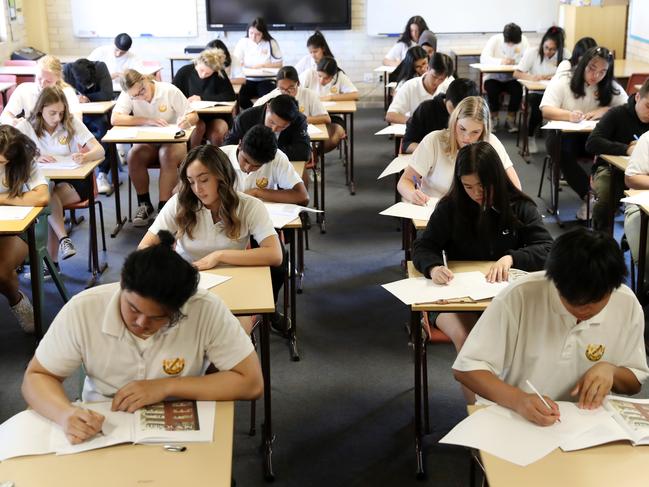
(183,57)
(420,224)
(19,70)
(624,68)
(534,85)
(80,172)
(455,266)
(620,162)
(466,51)
(385,69)
(217,110)
(299,166)
(97,107)
(122,465)
(249,292)
(113,136)
(13,227)
(323,135)
(4,86)
(494,68)
(340,106)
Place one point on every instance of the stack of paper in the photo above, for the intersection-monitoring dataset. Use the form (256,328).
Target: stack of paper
(397,165)
(410,211)
(283,213)
(464,284)
(14,212)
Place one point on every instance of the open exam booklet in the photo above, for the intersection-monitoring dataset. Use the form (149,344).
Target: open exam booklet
(29,433)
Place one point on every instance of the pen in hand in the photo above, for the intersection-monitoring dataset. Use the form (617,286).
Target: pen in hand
(531,386)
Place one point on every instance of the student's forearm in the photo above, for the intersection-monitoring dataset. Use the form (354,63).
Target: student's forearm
(625,382)
(260,256)
(406,188)
(554,113)
(411,147)
(394,117)
(319,119)
(225,385)
(390,62)
(294,196)
(487,385)
(523,75)
(122,119)
(39,196)
(276,64)
(513,177)
(46,396)
(638,181)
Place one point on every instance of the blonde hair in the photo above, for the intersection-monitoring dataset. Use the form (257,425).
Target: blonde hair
(473,107)
(212,58)
(52,65)
(131,78)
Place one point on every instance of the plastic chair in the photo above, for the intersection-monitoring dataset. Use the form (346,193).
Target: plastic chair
(20,62)
(635,79)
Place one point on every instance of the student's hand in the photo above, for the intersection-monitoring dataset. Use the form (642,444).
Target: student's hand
(83,99)
(594,115)
(194,98)
(441,274)
(630,147)
(158,122)
(499,271)
(78,157)
(594,385)
(576,116)
(253,192)
(46,159)
(183,123)
(532,408)
(115,75)
(509,61)
(81,424)
(419,198)
(139,393)
(326,97)
(210,261)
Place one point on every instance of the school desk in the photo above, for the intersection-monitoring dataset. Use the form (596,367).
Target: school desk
(97,107)
(618,165)
(250,292)
(523,135)
(385,72)
(492,69)
(18,227)
(624,68)
(19,70)
(84,172)
(347,110)
(129,464)
(398,131)
(421,372)
(217,109)
(317,141)
(468,52)
(4,88)
(116,136)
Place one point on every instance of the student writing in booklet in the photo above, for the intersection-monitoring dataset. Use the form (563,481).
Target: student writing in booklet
(264,171)
(483,217)
(21,184)
(141,340)
(409,37)
(118,56)
(574,331)
(430,172)
(213,223)
(58,134)
(144,101)
(415,64)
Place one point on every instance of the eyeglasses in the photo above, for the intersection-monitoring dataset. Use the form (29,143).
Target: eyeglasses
(291,90)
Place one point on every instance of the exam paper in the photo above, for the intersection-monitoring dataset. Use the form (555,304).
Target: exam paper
(61,162)
(584,125)
(411,211)
(642,199)
(14,212)
(394,129)
(313,130)
(282,214)
(202,104)
(397,165)
(209,280)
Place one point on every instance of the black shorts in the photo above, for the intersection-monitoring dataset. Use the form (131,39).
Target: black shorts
(81,186)
(338,120)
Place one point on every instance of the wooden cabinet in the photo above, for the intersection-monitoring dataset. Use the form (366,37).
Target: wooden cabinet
(606,24)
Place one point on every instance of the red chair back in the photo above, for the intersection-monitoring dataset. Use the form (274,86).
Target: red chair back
(8,78)
(635,79)
(20,62)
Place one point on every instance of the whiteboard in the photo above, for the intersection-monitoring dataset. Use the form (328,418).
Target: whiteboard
(139,18)
(456,16)
(639,22)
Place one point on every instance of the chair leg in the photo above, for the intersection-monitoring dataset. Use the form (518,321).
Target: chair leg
(130,200)
(101,220)
(545,165)
(253,404)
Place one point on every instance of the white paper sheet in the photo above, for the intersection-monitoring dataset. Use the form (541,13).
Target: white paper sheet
(398,129)
(209,280)
(124,132)
(168,130)
(642,199)
(397,165)
(410,211)
(313,130)
(584,125)
(282,214)
(202,104)
(14,212)
(62,162)
(259,72)
(26,433)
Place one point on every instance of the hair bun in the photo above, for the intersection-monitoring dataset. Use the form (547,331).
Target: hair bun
(166,239)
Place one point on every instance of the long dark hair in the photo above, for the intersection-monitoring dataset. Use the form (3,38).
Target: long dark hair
(407,66)
(329,66)
(605,88)
(219,44)
(482,159)
(217,163)
(581,46)
(318,41)
(260,24)
(20,152)
(558,36)
(419,21)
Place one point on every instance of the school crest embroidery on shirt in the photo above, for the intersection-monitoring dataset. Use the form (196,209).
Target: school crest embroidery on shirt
(301,108)
(262,183)
(162,108)
(173,366)
(63,140)
(334,90)
(595,352)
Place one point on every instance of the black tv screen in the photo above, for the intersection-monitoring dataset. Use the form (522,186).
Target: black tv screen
(279,14)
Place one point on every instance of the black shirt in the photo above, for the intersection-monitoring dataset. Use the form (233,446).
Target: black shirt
(213,88)
(429,116)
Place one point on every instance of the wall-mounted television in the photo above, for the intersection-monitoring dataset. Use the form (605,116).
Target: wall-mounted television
(279,14)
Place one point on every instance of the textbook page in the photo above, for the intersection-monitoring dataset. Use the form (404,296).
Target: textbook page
(26,433)
(397,165)
(175,421)
(632,415)
(14,212)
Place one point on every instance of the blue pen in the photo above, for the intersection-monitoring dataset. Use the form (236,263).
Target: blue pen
(636,137)
(416,183)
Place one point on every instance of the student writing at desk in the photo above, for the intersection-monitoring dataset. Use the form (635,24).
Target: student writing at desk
(141,341)
(21,184)
(118,56)
(585,94)
(417,90)
(483,217)
(318,48)
(58,134)
(414,65)
(92,82)
(433,114)
(616,134)
(409,37)
(283,117)
(431,170)
(205,79)
(232,66)
(581,46)
(213,223)
(264,171)
(144,101)
(574,331)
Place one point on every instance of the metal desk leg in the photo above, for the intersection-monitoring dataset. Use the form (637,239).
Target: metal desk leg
(525,149)
(415,330)
(267,437)
(35,269)
(323,227)
(352,185)
(615,181)
(114,161)
(292,332)
(556,177)
(96,268)
(642,260)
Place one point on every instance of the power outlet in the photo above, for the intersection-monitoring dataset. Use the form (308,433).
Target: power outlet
(368,77)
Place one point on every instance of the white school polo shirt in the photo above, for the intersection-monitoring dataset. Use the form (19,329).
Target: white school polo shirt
(307,99)
(58,143)
(558,94)
(235,70)
(399,50)
(106,54)
(89,330)
(532,63)
(252,54)
(276,174)
(307,62)
(411,93)
(168,103)
(639,160)
(436,167)
(25,96)
(209,236)
(35,179)
(496,49)
(339,84)
(527,334)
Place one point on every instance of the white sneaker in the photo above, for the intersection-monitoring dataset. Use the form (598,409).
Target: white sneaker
(582,213)
(531,145)
(142,214)
(66,248)
(103,186)
(494,123)
(24,313)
